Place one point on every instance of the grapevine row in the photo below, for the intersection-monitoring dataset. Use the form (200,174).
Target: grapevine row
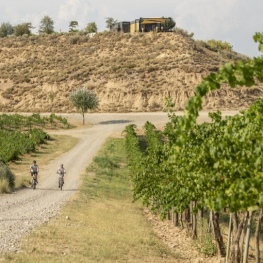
(217,166)
(22,134)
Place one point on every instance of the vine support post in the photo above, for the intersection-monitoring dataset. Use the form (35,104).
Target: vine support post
(260,216)
(229,237)
(247,237)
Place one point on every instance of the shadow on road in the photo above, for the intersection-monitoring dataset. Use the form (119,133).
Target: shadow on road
(52,189)
(114,122)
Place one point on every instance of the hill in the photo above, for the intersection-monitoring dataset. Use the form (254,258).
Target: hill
(128,72)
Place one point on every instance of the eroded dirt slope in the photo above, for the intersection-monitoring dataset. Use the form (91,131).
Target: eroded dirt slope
(128,72)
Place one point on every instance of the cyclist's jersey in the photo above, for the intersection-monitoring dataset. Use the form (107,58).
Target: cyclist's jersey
(61,170)
(34,168)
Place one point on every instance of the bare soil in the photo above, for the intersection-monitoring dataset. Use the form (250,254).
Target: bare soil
(128,72)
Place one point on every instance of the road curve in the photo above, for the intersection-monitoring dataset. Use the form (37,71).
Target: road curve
(25,209)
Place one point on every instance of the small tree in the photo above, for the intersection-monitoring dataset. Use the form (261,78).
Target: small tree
(73,26)
(46,25)
(91,28)
(169,23)
(23,29)
(110,22)
(6,29)
(84,99)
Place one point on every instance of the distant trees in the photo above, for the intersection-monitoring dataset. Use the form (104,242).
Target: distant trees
(216,45)
(46,25)
(219,45)
(6,29)
(84,99)
(73,26)
(110,22)
(22,29)
(91,28)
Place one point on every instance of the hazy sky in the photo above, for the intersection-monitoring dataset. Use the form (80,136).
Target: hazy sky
(234,21)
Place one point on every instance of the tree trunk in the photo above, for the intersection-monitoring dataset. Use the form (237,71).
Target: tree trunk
(169,215)
(83,118)
(181,220)
(217,233)
(194,222)
(176,219)
(187,219)
(237,229)
(257,235)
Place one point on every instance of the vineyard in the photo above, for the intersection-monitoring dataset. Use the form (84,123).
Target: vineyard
(22,134)
(204,175)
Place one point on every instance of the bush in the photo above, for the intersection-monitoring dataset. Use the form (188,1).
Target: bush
(74,40)
(6,176)
(4,187)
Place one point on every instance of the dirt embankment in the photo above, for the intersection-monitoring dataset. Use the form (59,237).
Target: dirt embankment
(128,72)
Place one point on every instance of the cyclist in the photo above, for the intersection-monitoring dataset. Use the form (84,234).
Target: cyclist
(34,170)
(61,171)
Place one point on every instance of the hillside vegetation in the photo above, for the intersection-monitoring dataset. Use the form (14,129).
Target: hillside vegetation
(128,72)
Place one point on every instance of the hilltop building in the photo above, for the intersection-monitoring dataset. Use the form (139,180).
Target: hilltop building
(157,24)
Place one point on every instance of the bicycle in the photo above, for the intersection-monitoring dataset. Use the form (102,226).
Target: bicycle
(34,181)
(60,180)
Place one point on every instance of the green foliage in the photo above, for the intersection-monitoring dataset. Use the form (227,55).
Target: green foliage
(21,134)
(110,22)
(84,99)
(6,175)
(6,29)
(169,23)
(91,27)
(258,37)
(108,162)
(218,45)
(46,25)
(217,165)
(73,26)
(183,32)
(14,144)
(19,122)
(22,29)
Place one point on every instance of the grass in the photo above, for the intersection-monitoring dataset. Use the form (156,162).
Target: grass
(43,155)
(100,223)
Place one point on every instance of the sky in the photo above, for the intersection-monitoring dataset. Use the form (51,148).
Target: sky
(233,21)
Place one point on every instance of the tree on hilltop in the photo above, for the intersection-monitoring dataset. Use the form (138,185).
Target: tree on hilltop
(169,23)
(46,25)
(23,29)
(110,23)
(91,28)
(83,100)
(6,29)
(73,26)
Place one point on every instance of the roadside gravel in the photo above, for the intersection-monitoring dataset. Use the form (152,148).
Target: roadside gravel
(22,211)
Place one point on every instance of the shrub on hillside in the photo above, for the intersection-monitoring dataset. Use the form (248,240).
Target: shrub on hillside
(6,175)
(74,40)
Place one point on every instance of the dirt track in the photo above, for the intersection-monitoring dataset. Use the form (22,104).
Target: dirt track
(20,212)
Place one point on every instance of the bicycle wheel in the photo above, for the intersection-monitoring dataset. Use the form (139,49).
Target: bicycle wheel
(60,184)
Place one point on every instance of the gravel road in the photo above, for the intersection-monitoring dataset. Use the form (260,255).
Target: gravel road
(25,209)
